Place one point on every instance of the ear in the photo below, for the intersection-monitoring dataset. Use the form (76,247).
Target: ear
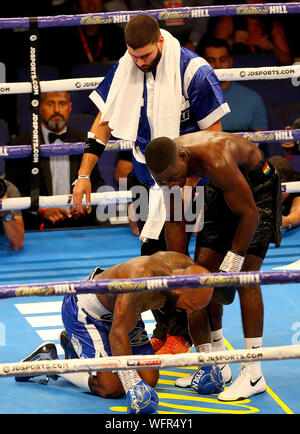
(161,41)
(183,155)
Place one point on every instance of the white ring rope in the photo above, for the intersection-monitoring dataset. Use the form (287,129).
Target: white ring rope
(231,74)
(103,198)
(60,366)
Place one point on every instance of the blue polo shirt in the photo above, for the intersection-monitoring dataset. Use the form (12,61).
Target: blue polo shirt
(248,111)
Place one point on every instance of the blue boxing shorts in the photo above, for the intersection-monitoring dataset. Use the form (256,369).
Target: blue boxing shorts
(89,332)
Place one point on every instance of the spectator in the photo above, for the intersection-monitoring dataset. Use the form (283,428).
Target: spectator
(96,43)
(254,34)
(190,31)
(292,148)
(12,225)
(56,172)
(290,23)
(66,47)
(248,112)
(290,201)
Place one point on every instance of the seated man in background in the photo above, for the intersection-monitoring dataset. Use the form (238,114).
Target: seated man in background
(290,201)
(11,222)
(57,173)
(292,148)
(248,112)
(102,325)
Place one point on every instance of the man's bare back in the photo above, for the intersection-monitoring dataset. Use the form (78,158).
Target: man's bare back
(206,147)
(158,264)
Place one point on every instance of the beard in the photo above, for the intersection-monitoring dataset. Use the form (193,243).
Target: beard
(56,122)
(152,66)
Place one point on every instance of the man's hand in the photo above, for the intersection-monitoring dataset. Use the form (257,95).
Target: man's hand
(82,186)
(142,398)
(55,215)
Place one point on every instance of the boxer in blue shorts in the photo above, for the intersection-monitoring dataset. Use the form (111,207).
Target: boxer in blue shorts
(101,325)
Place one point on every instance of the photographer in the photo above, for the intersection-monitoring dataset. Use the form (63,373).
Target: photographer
(11,225)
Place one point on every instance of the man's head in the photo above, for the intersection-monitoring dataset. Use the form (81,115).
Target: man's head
(284,167)
(144,42)
(217,53)
(55,110)
(166,162)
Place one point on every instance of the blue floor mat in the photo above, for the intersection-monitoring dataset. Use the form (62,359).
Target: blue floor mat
(51,256)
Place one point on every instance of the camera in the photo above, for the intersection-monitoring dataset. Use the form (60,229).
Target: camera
(3,188)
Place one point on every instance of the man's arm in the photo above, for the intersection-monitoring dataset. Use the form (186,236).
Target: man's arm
(14,231)
(101,134)
(126,313)
(175,233)
(239,198)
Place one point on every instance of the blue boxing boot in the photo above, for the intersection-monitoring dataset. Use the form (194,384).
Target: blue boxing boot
(208,380)
(142,398)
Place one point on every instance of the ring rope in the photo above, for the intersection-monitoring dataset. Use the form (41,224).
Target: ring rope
(47,150)
(147,284)
(60,366)
(101,198)
(159,14)
(229,74)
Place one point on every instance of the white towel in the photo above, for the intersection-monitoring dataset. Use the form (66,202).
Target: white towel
(125,98)
(156,215)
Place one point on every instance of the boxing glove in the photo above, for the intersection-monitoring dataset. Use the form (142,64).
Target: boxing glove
(142,398)
(232,263)
(207,380)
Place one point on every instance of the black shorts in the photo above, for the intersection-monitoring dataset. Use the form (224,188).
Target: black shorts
(220,222)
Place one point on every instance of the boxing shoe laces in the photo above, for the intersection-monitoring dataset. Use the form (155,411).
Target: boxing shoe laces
(142,398)
(186,381)
(46,351)
(157,344)
(244,386)
(208,380)
(174,345)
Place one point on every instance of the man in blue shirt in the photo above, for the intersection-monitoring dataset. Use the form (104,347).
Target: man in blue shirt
(156,88)
(248,112)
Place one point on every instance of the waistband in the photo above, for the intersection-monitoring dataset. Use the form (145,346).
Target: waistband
(260,173)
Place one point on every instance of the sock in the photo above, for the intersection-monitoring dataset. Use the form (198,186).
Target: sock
(217,341)
(204,348)
(79,379)
(254,367)
(129,378)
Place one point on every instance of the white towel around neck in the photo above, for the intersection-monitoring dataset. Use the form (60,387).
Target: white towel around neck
(125,99)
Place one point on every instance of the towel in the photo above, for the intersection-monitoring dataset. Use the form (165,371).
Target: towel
(123,106)
(156,215)
(125,98)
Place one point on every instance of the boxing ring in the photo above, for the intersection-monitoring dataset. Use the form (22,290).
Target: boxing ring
(31,312)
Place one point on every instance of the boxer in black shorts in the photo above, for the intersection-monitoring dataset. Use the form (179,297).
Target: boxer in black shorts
(242,216)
